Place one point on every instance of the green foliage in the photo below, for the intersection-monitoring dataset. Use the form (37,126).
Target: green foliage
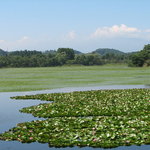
(3,53)
(91,103)
(67,52)
(112,55)
(63,56)
(141,58)
(107,118)
(88,59)
(100,131)
(104,51)
(25,53)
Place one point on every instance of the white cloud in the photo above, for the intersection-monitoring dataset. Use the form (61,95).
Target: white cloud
(116,31)
(23,39)
(70,35)
(121,37)
(148,30)
(2,41)
(23,43)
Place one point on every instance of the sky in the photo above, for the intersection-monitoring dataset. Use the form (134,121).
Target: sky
(84,25)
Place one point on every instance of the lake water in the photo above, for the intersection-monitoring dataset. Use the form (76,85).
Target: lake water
(10,116)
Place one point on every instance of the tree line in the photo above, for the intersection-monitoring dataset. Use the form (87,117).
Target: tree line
(141,58)
(68,56)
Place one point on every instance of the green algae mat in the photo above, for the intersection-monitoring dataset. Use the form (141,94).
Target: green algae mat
(31,79)
(103,118)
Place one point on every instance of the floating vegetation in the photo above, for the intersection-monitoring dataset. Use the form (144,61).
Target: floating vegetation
(104,118)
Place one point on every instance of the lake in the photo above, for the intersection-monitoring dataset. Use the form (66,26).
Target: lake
(10,116)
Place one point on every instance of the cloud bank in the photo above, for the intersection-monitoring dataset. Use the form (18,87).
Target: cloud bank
(120,31)
(116,36)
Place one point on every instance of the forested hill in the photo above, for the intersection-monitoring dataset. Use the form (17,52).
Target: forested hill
(104,51)
(2,52)
(101,51)
(69,56)
(59,57)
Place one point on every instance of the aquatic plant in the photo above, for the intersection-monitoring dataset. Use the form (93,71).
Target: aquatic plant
(104,118)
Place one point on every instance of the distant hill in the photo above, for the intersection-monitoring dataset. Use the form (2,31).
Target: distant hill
(104,51)
(54,52)
(77,52)
(24,53)
(3,53)
(50,52)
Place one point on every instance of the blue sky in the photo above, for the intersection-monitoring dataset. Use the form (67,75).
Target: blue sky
(84,25)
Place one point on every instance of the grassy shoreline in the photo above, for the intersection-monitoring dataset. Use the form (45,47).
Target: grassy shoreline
(31,79)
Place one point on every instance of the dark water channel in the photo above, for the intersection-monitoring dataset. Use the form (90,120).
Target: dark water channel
(10,116)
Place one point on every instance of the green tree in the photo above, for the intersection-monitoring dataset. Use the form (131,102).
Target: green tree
(67,52)
(141,58)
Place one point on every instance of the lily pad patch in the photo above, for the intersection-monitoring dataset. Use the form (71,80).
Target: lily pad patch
(105,118)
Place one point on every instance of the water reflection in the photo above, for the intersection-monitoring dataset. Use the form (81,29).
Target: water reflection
(4,145)
(10,116)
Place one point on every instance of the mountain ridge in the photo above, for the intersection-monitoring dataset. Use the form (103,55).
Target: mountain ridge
(104,51)
(101,51)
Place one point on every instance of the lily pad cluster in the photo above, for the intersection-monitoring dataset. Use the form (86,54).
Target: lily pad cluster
(104,118)
(91,103)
